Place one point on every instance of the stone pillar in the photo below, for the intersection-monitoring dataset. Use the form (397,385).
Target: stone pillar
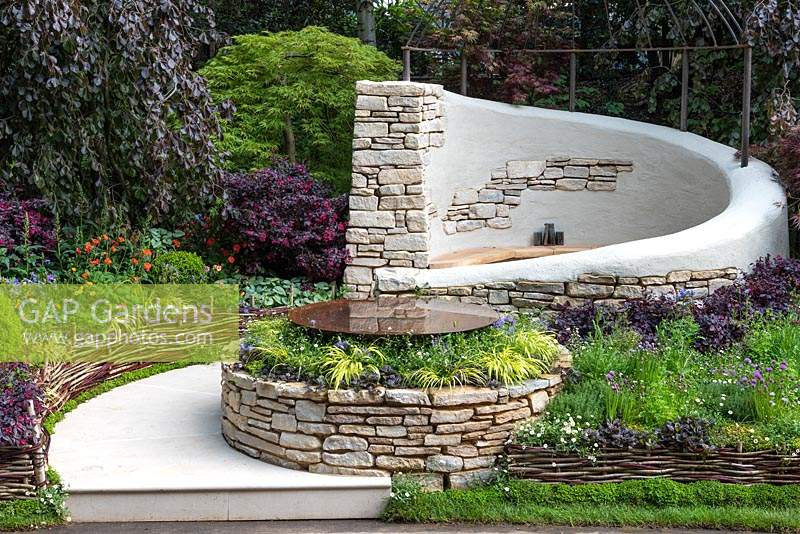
(396,126)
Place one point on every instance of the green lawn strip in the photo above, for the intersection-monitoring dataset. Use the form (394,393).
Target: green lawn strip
(631,504)
(46,510)
(126,378)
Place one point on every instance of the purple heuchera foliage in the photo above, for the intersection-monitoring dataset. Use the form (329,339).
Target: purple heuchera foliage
(17,387)
(722,317)
(12,223)
(287,222)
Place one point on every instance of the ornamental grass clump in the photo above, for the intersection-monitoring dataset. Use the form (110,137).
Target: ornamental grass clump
(17,390)
(509,352)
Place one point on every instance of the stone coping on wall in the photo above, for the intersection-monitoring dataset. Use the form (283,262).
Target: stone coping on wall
(600,288)
(490,206)
(447,437)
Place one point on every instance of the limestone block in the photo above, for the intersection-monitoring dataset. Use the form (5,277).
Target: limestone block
(443,463)
(582,290)
(300,441)
(490,195)
(370,129)
(499,223)
(554,288)
(469,225)
(571,184)
(363,203)
(403,202)
(628,292)
(357,275)
(553,173)
(349,459)
(571,171)
(378,158)
(400,176)
(371,219)
(678,276)
(404,465)
(482,211)
(465,196)
(282,421)
(309,411)
(407,397)
(525,168)
(451,416)
(344,443)
(372,103)
(417,242)
(463,395)
(601,186)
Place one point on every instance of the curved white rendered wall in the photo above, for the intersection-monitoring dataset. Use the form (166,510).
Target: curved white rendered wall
(687,204)
(671,188)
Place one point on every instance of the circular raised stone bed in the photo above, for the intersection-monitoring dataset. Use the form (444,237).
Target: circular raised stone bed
(448,437)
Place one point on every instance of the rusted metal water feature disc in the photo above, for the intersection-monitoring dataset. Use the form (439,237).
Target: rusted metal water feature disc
(392,316)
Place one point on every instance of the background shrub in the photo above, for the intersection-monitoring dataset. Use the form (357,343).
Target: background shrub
(100,109)
(281,219)
(294,94)
(179,267)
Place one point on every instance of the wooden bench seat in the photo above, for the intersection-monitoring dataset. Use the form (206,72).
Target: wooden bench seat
(484,255)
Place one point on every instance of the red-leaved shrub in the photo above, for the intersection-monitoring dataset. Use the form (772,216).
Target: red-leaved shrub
(13,223)
(284,221)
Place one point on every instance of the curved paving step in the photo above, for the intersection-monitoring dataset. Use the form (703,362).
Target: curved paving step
(152,451)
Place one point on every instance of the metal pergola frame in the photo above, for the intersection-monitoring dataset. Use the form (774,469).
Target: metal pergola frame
(734,29)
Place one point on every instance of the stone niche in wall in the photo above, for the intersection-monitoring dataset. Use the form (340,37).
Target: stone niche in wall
(490,205)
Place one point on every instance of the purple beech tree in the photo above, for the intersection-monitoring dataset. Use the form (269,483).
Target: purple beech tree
(100,110)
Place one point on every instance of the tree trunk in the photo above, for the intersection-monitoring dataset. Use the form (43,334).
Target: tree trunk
(366,22)
(288,132)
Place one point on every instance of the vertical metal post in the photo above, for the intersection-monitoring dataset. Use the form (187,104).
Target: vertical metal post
(685,90)
(573,67)
(406,65)
(463,72)
(748,79)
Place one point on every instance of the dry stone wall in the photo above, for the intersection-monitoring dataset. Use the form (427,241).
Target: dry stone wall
(602,289)
(447,437)
(491,205)
(396,125)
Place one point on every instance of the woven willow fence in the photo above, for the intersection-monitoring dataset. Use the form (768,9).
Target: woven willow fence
(23,469)
(614,465)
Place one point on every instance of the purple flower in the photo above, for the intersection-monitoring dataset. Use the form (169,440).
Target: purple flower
(784,366)
(342,345)
(757,375)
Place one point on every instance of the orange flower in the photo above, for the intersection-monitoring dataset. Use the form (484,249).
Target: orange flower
(231,259)
(147,266)
(135,261)
(95,241)
(237,247)
(107,261)
(147,252)
(95,262)
(87,247)
(85,275)
(105,237)
(176,243)
(121,239)
(113,248)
